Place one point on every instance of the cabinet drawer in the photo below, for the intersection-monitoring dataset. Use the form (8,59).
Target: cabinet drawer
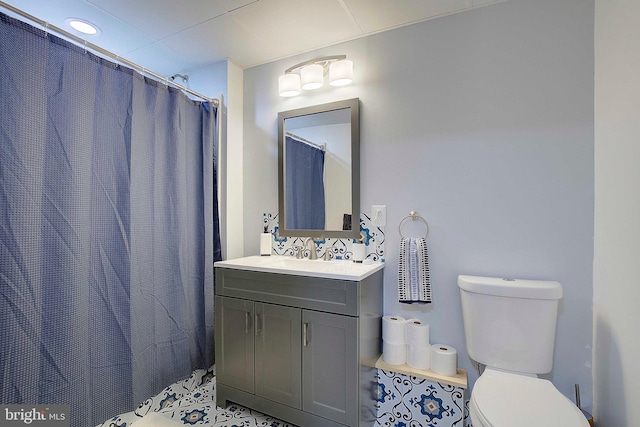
(329,295)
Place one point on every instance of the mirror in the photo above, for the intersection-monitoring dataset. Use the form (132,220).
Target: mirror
(319,170)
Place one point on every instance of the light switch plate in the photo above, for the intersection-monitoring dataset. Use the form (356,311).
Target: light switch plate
(379,215)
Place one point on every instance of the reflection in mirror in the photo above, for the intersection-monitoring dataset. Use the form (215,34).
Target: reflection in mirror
(319,170)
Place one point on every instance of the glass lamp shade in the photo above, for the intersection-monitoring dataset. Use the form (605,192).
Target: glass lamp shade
(341,73)
(289,85)
(311,76)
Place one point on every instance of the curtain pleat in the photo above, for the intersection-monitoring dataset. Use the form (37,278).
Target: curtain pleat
(108,229)
(304,183)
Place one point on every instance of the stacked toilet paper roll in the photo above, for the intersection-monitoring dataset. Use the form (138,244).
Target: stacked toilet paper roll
(418,346)
(444,360)
(406,341)
(394,347)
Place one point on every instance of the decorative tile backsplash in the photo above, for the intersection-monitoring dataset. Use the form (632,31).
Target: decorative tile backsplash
(371,235)
(409,401)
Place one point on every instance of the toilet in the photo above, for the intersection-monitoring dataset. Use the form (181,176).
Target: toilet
(510,327)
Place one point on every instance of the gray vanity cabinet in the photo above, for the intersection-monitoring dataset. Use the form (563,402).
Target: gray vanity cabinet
(261,351)
(236,360)
(329,362)
(277,364)
(298,348)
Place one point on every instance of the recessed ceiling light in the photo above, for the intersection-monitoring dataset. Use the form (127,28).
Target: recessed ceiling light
(82,26)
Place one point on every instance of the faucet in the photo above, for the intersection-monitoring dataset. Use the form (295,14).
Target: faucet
(328,253)
(313,254)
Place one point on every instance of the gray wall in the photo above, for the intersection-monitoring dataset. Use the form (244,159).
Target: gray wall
(483,122)
(617,202)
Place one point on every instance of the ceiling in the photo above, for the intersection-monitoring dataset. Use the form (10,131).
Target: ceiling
(171,36)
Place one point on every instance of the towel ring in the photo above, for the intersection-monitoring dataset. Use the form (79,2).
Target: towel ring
(413,216)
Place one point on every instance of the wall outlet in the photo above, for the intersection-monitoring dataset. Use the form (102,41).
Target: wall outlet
(379,215)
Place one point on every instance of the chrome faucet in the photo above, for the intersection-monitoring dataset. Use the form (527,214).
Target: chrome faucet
(313,254)
(328,253)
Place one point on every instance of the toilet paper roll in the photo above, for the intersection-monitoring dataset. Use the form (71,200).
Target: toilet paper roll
(444,360)
(393,329)
(419,357)
(417,333)
(394,354)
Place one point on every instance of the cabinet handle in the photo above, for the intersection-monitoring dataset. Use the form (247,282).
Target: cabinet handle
(305,334)
(258,328)
(247,321)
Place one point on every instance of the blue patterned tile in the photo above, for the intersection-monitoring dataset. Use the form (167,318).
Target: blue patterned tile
(411,401)
(371,235)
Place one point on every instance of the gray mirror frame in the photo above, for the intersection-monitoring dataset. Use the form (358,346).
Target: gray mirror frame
(354,105)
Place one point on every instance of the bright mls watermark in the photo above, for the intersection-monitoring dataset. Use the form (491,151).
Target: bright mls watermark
(34,415)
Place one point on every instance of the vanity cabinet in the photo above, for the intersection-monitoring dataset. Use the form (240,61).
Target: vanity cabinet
(302,349)
(330,366)
(261,349)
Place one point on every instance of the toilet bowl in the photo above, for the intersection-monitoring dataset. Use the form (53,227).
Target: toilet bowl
(505,399)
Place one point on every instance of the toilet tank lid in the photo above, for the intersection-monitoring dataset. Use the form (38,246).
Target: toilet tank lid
(514,288)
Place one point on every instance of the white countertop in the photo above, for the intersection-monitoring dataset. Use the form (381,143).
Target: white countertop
(337,269)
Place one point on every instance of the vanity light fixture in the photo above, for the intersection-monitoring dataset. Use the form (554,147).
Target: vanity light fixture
(309,75)
(289,84)
(312,76)
(341,73)
(80,25)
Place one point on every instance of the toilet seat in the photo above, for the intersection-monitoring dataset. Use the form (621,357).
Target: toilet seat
(503,399)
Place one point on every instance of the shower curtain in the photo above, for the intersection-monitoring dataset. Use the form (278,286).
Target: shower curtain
(305,185)
(108,229)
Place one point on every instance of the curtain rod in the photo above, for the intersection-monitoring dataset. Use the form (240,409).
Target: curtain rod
(322,147)
(96,48)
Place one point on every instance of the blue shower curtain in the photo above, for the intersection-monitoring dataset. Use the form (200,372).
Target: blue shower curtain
(108,229)
(304,184)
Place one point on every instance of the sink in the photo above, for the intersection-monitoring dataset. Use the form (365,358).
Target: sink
(343,270)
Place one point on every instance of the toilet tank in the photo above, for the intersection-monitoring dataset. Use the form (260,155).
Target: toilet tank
(510,324)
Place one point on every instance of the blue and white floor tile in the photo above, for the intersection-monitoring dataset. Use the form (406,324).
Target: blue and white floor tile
(192,402)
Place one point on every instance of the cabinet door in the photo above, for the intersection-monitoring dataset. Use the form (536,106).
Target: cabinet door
(278,354)
(235,345)
(330,366)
